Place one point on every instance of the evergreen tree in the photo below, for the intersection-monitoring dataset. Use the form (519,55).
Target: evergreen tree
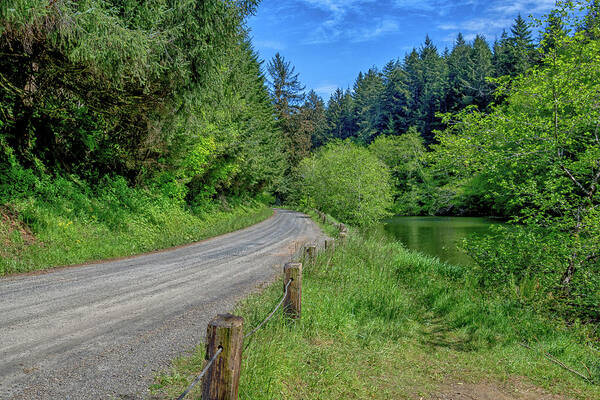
(502,56)
(459,65)
(434,77)
(591,24)
(521,47)
(286,89)
(554,32)
(412,66)
(339,115)
(288,94)
(313,119)
(395,100)
(367,94)
(335,114)
(481,60)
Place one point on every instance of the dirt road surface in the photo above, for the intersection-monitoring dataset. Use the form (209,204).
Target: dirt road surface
(102,331)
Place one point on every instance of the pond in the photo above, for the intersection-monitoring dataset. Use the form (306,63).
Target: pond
(438,236)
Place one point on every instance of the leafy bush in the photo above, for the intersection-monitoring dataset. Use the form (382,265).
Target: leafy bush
(537,156)
(528,264)
(348,182)
(414,191)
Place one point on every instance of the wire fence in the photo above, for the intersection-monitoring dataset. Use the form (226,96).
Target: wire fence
(252,332)
(246,336)
(210,363)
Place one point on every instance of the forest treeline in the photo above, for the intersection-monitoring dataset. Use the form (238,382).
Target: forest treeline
(457,133)
(167,94)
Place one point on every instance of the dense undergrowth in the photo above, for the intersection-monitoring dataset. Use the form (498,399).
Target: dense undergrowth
(383,322)
(64,221)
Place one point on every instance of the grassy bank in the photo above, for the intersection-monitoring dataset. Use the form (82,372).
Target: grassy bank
(381,322)
(69,223)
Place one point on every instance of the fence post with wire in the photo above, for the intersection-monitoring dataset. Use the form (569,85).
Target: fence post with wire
(310,253)
(225,341)
(292,303)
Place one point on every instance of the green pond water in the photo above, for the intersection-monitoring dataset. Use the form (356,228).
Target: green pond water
(438,236)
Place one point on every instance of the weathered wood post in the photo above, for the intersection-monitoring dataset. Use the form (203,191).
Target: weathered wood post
(343,236)
(329,245)
(310,253)
(323,217)
(292,304)
(222,378)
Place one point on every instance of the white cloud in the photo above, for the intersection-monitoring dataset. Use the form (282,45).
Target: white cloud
(525,7)
(382,28)
(337,6)
(270,44)
(336,26)
(326,90)
(440,7)
(477,25)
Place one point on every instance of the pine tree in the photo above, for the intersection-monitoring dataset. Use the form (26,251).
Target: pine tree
(521,47)
(434,85)
(335,115)
(459,65)
(313,119)
(554,32)
(288,94)
(502,56)
(591,24)
(414,73)
(395,100)
(481,60)
(367,94)
(286,89)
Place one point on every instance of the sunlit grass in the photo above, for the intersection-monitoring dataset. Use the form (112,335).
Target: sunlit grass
(73,236)
(382,322)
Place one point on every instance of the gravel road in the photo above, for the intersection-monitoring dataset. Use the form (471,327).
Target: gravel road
(102,331)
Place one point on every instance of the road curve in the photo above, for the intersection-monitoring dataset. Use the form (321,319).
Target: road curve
(102,331)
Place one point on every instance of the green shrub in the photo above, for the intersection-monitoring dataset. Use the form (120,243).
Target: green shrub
(528,264)
(348,182)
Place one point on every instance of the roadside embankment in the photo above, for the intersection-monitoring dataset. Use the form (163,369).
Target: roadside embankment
(73,224)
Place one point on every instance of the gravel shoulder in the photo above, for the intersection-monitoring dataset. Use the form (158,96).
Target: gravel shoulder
(102,331)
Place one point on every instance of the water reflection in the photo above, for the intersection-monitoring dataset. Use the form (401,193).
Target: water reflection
(438,236)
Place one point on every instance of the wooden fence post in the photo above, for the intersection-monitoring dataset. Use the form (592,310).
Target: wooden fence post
(310,253)
(222,378)
(292,304)
(343,236)
(329,245)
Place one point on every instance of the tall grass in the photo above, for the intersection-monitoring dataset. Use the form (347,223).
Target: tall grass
(67,222)
(383,322)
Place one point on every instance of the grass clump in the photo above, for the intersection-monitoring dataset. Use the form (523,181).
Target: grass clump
(382,322)
(66,221)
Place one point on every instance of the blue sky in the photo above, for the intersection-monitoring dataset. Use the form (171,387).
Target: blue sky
(331,41)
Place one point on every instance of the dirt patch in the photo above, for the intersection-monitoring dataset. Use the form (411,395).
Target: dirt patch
(514,390)
(10,222)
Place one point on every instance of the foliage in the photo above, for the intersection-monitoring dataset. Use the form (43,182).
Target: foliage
(157,92)
(540,152)
(405,156)
(297,122)
(413,91)
(346,181)
(61,221)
